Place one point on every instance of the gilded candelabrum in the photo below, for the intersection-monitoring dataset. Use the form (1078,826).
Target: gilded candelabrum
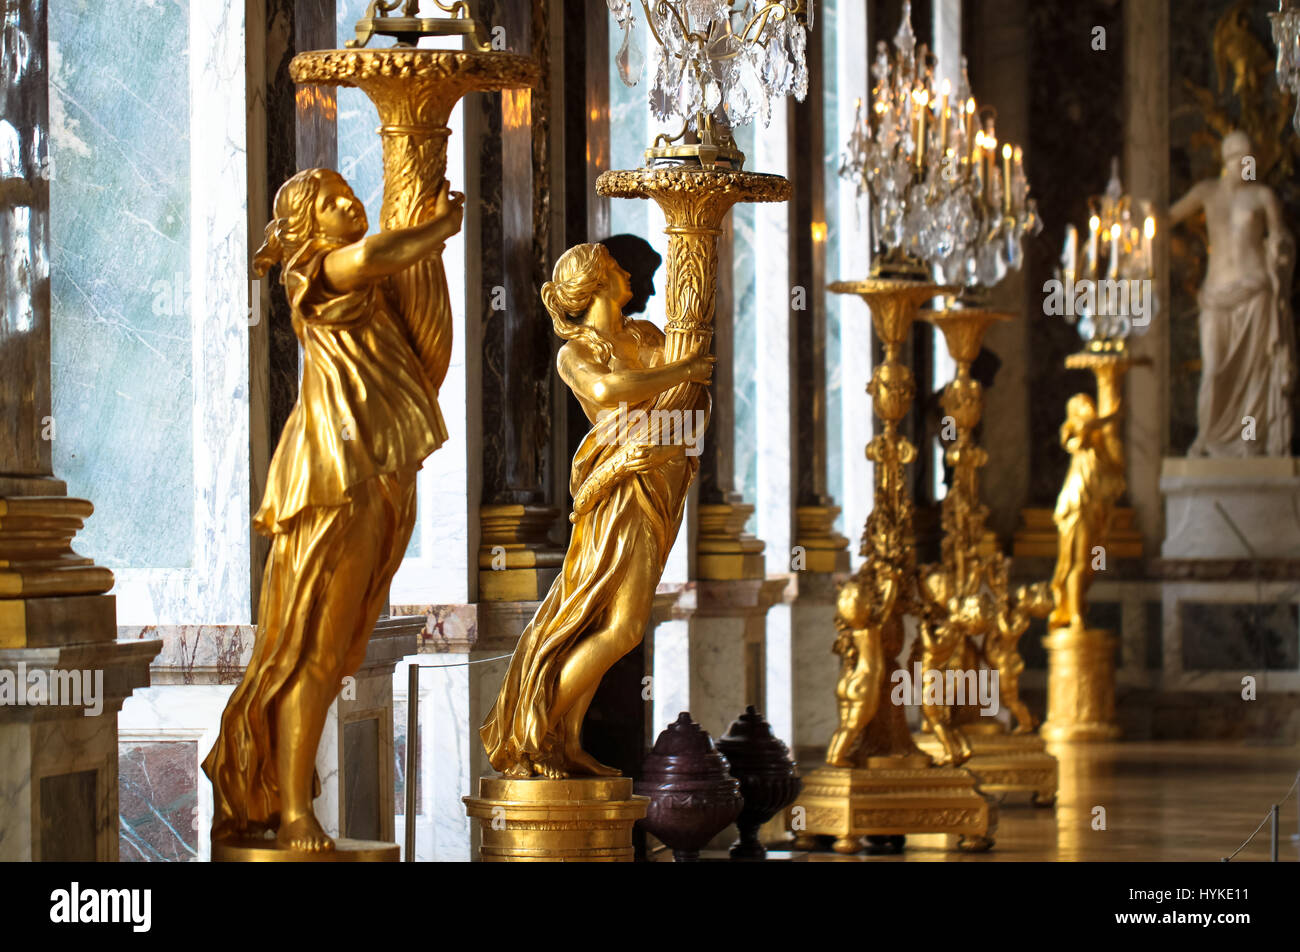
(1081,660)
(972,621)
(373,315)
(629,494)
(877,782)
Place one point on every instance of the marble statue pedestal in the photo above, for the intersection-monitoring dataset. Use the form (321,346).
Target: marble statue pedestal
(58,761)
(1231,508)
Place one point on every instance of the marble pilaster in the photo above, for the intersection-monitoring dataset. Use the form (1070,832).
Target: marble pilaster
(516,559)
(1146,174)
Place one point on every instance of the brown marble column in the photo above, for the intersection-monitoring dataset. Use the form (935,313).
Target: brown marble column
(289,129)
(517,559)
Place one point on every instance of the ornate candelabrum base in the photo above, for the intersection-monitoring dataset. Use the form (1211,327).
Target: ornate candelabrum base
(576,820)
(973,578)
(890,797)
(877,783)
(1002,762)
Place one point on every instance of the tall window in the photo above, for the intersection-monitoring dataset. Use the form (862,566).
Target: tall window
(149,298)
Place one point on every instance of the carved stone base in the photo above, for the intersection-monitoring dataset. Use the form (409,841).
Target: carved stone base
(1006,763)
(1231,508)
(577,820)
(888,801)
(249,850)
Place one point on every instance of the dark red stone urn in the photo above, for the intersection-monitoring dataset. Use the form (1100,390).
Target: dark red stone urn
(693,796)
(769,779)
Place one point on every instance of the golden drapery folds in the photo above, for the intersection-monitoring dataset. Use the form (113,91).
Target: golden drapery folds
(629,498)
(339,507)
(628,490)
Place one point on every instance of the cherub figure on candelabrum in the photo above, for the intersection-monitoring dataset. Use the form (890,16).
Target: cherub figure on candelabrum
(1002,642)
(629,490)
(1248,349)
(1093,484)
(340,497)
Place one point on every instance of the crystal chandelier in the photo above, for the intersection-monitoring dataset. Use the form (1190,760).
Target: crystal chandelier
(941,191)
(718,64)
(1112,283)
(1286,34)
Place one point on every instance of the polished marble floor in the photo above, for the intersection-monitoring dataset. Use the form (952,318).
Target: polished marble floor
(1173,801)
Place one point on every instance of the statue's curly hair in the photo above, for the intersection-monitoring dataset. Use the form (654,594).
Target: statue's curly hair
(294,219)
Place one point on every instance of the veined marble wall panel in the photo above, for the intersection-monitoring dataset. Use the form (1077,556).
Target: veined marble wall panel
(159,721)
(150,287)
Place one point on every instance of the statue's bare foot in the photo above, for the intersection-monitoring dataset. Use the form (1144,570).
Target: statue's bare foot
(304,833)
(581,762)
(552,770)
(520,771)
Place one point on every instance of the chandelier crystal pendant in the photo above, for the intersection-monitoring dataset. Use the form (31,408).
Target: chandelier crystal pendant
(1101,281)
(716,64)
(942,192)
(1286,34)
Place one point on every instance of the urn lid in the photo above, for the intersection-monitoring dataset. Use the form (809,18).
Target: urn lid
(750,743)
(684,747)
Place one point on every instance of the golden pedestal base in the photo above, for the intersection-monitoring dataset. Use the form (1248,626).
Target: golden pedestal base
(576,820)
(1006,763)
(849,803)
(1080,686)
(251,850)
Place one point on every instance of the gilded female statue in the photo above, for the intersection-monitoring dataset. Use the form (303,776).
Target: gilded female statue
(629,494)
(1093,484)
(340,497)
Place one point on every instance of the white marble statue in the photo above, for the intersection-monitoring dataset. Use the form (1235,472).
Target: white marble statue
(1247,336)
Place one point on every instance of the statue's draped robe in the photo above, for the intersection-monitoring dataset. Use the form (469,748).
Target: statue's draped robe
(628,502)
(1093,484)
(1247,371)
(339,508)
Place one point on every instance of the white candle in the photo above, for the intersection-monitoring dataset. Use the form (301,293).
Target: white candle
(1070,257)
(1094,226)
(1148,245)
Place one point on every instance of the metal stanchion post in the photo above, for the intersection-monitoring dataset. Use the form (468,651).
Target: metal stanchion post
(1273,830)
(412,744)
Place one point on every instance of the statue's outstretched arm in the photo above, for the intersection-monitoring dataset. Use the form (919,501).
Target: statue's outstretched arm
(597,384)
(392,250)
(1188,205)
